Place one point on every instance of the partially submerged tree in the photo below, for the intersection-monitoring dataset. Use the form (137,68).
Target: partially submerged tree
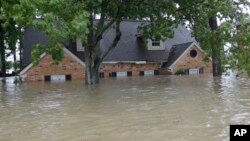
(2,47)
(214,23)
(10,32)
(160,14)
(239,54)
(203,18)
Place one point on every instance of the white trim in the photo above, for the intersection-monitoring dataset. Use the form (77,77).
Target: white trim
(57,78)
(121,74)
(117,62)
(23,72)
(140,62)
(73,56)
(193,71)
(149,72)
(151,47)
(191,45)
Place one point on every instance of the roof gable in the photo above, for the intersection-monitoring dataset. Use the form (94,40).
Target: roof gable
(26,69)
(176,51)
(179,50)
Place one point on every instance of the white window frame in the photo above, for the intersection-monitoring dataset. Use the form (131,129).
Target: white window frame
(149,72)
(152,45)
(194,71)
(57,78)
(121,74)
(156,43)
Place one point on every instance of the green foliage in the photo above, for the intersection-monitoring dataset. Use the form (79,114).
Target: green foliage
(55,50)
(9,64)
(37,51)
(180,72)
(60,20)
(239,56)
(230,13)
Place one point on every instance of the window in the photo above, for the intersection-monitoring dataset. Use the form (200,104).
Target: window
(68,77)
(121,74)
(129,73)
(47,78)
(156,43)
(193,53)
(194,71)
(57,78)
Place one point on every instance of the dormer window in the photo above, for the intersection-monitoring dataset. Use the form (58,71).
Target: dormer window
(155,45)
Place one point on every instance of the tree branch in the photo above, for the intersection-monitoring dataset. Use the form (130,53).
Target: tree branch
(115,41)
(99,34)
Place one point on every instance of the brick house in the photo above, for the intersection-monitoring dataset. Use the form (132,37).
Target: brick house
(128,58)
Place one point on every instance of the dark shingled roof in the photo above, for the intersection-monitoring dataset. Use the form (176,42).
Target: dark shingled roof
(128,48)
(176,52)
(31,37)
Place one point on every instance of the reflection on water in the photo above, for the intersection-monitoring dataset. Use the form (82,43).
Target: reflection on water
(175,108)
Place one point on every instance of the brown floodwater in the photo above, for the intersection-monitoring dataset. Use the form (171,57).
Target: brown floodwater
(161,108)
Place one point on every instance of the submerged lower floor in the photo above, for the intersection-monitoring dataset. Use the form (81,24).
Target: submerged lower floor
(71,68)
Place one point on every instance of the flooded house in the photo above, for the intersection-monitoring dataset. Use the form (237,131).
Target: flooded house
(129,58)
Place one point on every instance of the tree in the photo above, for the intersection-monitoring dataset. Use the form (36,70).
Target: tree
(10,32)
(2,47)
(239,56)
(12,36)
(203,17)
(65,20)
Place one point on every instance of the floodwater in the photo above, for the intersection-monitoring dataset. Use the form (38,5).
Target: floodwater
(161,108)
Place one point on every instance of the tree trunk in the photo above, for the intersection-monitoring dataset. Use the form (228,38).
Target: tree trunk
(21,49)
(91,74)
(216,50)
(93,55)
(2,51)
(2,54)
(15,63)
(216,56)
(2,48)
(92,63)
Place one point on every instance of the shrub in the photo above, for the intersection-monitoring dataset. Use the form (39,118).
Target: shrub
(180,72)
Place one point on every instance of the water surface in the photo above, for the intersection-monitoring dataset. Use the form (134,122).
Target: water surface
(161,108)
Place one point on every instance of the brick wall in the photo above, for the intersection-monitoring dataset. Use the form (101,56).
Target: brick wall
(107,69)
(68,66)
(188,62)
